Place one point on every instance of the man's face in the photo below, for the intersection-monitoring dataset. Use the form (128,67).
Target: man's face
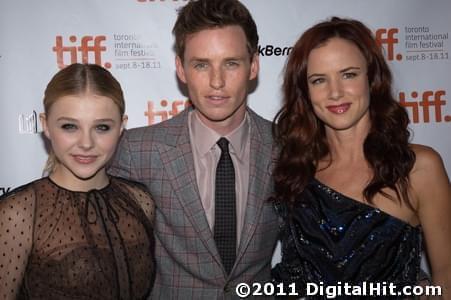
(216,68)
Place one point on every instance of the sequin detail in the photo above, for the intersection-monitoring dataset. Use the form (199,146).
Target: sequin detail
(329,237)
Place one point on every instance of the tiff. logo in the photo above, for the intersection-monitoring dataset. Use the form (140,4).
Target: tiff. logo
(164,114)
(387,37)
(429,99)
(90,50)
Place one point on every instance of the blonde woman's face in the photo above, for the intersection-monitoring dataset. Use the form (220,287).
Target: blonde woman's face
(83,131)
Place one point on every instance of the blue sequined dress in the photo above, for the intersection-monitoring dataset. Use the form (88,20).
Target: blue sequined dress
(330,238)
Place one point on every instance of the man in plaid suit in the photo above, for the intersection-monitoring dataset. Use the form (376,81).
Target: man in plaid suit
(216,45)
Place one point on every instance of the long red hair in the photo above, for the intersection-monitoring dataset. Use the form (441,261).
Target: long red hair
(301,134)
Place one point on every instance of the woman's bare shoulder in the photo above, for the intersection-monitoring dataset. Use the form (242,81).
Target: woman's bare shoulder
(426,159)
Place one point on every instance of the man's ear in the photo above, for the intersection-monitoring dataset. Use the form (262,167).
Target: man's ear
(45,128)
(255,67)
(179,68)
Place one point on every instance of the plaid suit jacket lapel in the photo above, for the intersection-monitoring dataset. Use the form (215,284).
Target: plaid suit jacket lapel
(178,161)
(259,178)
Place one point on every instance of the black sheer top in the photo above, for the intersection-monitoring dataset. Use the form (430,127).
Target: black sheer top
(330,238)
(60,244)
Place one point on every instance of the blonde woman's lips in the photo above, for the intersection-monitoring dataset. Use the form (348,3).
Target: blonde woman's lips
(84,159)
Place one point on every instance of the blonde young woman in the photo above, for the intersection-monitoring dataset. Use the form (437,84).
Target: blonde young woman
(78,233)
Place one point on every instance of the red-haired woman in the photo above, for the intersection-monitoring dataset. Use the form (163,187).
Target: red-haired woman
(357,198)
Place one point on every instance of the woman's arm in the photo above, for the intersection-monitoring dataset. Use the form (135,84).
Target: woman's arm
(432,191)
(16,239)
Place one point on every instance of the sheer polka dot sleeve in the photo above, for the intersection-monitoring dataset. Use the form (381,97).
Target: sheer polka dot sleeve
(146,203)
(143,198)
(16,239)
(62,244)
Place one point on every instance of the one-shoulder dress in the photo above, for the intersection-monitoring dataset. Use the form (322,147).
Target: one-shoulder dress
(329,239)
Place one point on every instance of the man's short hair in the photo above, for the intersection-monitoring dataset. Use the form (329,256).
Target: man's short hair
(198,15)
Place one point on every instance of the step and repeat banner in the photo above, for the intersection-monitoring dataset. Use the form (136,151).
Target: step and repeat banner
(132,38)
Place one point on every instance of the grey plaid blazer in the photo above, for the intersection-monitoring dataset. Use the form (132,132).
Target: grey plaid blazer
(188,263)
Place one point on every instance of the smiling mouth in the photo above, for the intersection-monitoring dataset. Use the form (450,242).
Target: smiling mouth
(339,109)
(84,159)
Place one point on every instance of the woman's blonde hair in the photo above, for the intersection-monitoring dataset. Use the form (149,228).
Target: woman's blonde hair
(79,79)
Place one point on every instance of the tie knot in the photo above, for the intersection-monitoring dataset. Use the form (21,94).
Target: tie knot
(223,143)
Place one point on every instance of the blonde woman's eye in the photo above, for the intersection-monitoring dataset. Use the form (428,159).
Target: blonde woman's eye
(103,127)
(69,127)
